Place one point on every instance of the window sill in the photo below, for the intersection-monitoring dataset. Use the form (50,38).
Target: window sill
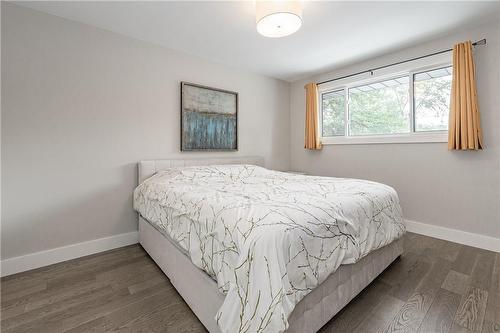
(385,139)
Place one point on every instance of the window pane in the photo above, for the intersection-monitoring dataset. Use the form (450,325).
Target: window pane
(380,108)
(432,91)
(333,109)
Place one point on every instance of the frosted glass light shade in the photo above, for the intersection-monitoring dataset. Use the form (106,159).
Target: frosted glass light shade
(278,18)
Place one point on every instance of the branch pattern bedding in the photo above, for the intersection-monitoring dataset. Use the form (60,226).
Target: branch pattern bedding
(267,237)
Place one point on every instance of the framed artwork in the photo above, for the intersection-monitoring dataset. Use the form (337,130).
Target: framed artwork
(209,118)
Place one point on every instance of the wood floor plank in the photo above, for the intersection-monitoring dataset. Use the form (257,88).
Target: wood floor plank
(410,316)
(136,287)
(25,320)
(455,328)
(97,325)
(122,318)
(175,318)
(493,308)
(490,327)
(418,244)
(449,250)
(432,247)
(123,290)
(83,312)
(90,273)
(80,264)
(349,318)
(398,272)
(456,282)
(482,272)
(434,279)
(9,296)
(13,311)
(413,242)
(413,312)
(471,311)
(101,307)
(405,288)
(126,275)
(440,316)
(381,315)
(47,296)
(438,248)
(13,286)
(466,260)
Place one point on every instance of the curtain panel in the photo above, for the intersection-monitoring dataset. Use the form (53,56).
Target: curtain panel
(312,138)
(464,128)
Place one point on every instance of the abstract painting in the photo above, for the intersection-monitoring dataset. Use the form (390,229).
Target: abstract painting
(208,118)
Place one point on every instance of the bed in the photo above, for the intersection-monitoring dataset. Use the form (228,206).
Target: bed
(256,250)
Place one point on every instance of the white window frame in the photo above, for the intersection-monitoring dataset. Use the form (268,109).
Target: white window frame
(411,137)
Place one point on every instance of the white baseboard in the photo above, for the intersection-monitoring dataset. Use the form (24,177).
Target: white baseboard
(59,254)
(454,235)
(49,257)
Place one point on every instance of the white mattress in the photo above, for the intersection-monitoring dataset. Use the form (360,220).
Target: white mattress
(201,293)
(268,238)
(246,192)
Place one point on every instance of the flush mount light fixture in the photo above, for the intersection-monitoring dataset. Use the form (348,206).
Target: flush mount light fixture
(278,18)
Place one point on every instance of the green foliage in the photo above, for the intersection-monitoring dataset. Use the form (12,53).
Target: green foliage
(387,110)
(333,114)
(380,111)
(432,103)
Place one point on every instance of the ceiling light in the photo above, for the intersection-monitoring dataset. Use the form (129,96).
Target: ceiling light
(278,18)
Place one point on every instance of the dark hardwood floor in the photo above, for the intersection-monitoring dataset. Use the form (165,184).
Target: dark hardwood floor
(436,286)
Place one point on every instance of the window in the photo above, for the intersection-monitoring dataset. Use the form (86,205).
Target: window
(432,92)
(380,107)
(333,106)
(410,107)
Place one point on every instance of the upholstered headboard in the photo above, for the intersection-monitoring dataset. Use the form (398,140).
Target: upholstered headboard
(150,167)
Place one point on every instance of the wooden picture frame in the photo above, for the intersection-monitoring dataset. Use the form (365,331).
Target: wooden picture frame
(209,118)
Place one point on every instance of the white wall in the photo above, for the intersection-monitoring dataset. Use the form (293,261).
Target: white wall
(80,106)
(457,190)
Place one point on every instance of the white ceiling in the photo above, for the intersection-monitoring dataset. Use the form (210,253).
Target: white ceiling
(333,33)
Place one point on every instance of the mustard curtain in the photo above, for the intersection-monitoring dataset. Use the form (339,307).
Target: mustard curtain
(312,140)
(464,128)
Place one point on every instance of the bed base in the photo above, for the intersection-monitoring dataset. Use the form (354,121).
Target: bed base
(200,291)
(311,313)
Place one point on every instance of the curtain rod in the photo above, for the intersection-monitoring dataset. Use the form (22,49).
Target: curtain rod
(479,42)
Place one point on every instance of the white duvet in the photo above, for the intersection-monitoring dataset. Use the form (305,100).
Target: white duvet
(268,238)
